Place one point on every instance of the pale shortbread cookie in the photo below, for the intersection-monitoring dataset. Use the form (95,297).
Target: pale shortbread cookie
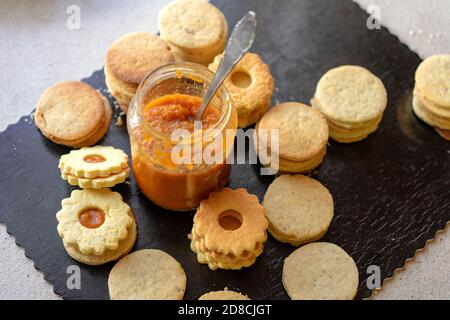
(320,271)
(433,79)
(191,25)
(129,59)
(96,240)
(439,111)
(223,295)
(350,96)
(299,209)
(93,162)
(74,114)
(251,87)
(147,275)
(443,133)
(123,249)
(344,135)
(97,183)
(425,115)
(303,131)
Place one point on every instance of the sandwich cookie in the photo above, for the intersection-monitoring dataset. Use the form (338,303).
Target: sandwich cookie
(129,59)
(196,31)
(353,101)
(73,114)
(302,137)
(251,86)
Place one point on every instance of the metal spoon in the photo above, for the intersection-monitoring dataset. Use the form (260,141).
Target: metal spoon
(239,44)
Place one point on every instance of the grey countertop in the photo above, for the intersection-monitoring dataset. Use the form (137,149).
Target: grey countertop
(41,50)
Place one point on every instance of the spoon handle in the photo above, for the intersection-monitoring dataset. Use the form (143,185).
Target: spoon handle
(239,44)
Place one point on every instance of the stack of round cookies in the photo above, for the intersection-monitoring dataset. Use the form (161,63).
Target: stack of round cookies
(95,167)
(302,137)
(196,31)
(250,85)
(353,100)
(129,59)
(431,101)
(96,226)
(73,114)
(229,230)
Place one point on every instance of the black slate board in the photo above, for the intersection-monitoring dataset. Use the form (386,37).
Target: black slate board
(391,191)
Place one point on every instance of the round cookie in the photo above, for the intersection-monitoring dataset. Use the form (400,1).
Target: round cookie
(428,117)
(251,86)
(147,275)
(299,209)
(73,114)
(303,131)
(320,271)
(433,79)
(223,295)
(350,96)
(97,183)
(129,59)
(343,135)
(192,25)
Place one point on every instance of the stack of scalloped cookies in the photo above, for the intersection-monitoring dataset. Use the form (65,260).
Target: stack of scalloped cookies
(431,101)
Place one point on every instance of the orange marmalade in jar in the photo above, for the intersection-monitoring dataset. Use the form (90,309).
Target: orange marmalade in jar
(177,161)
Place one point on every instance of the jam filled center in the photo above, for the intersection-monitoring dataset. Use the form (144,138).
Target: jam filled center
(230,220)
(241,79)
(94,158)
(92,218)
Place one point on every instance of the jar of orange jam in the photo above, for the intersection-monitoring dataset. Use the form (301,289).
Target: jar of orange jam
(166,102)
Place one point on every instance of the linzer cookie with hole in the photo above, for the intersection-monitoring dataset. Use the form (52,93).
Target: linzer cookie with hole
(129,59)
(147,275)
(431,102)
(229,230)
(251,86)
(73,114)
(320,271)
(95,167)
(301,134)
(353,101)
(299,209)
(96,226)
(196,31)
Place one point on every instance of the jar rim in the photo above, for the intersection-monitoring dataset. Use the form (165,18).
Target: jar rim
(192,71)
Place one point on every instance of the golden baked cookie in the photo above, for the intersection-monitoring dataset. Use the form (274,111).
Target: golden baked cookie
(147,275)
(97,183)
(251,87)
(299,209)
(195,30)
(229,229)
(352,99)
(223,295)
(94,162)
(129,59)
(94,221)
(123,249)
(320,271)
(433,79)
(73,114)
(428,117)
(432,107)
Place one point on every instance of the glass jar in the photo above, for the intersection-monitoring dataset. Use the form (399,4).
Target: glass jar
(171,184)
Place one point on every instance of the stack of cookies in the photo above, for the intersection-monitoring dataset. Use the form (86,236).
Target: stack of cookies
(73,114)
(431,101)
(250,85)
(95,167)
(229,230)
(129,59)
(196,31)
(302,137)
(353,101)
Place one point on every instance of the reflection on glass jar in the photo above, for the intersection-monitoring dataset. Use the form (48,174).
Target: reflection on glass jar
(169,167)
